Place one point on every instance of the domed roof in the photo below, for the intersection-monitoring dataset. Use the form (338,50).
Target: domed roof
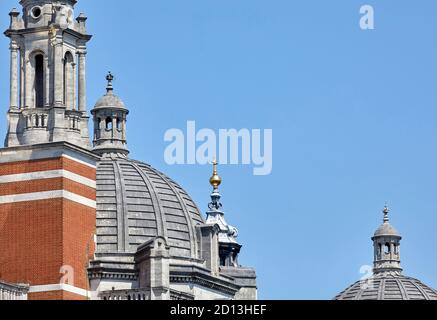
(386,229)
(388,286)
(136,203)
(110,100)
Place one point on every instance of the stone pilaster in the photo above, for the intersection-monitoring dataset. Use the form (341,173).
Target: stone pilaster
(82,80)
(58,73)
(14,76)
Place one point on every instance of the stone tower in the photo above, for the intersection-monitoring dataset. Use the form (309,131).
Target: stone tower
(47,170)
(47,74)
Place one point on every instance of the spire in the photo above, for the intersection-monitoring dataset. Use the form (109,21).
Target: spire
(386,243)
(215,182)
(228,245)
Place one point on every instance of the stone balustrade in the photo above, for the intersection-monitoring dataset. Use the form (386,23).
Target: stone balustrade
(13,292)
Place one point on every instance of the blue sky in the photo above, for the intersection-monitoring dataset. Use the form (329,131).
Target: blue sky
(353,114)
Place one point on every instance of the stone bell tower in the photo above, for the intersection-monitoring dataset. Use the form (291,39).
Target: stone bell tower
(47,170)
(47,74)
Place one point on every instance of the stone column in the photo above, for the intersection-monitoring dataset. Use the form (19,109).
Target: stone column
(22,76)
(28,100)
(123,128)
(74,86)
(47,81)
(59,73)
(82,80)
(14,76)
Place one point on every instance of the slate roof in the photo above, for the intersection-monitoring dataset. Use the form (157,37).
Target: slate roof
(136,203)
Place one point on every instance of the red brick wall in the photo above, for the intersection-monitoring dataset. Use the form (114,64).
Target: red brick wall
(47,185)
(38,237)
(55,295)
(46,165)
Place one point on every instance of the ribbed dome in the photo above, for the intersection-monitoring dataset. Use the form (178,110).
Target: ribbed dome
(388,286)
(136,203)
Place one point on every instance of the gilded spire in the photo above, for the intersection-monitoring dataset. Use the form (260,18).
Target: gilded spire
(215,180)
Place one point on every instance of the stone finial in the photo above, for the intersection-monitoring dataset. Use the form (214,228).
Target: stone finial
(81,22)
(386,211)
(109,78)
(14,12)
(14,24)
(82,17)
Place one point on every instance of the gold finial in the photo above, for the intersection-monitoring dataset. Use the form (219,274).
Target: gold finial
(215,180)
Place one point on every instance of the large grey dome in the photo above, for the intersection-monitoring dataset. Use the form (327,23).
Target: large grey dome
(388,286)
(136,203)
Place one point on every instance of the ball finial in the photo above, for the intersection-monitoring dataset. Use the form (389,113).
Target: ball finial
(215,180)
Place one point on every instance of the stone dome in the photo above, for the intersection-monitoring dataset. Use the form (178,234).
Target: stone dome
(388,286)
(386,229)
(136,203)
(110,100)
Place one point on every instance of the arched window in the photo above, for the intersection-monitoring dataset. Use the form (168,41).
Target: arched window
(387,248)
(118,123)
(108,123)
(39,81)
(69,84)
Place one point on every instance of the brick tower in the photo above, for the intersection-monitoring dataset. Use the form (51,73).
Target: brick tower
(47,171)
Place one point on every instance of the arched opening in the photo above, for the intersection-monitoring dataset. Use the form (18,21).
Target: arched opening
(118,124)
(108,123)
(39,81)
(69,84)
(387,248)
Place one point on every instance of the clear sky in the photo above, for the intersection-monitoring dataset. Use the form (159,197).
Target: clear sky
(353,113)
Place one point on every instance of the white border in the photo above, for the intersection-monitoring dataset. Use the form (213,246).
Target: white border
(53,194)
(40,175)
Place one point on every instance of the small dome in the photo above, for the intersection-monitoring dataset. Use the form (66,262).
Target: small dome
(388,286)
(386,229)
(137,203)
(110,100)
